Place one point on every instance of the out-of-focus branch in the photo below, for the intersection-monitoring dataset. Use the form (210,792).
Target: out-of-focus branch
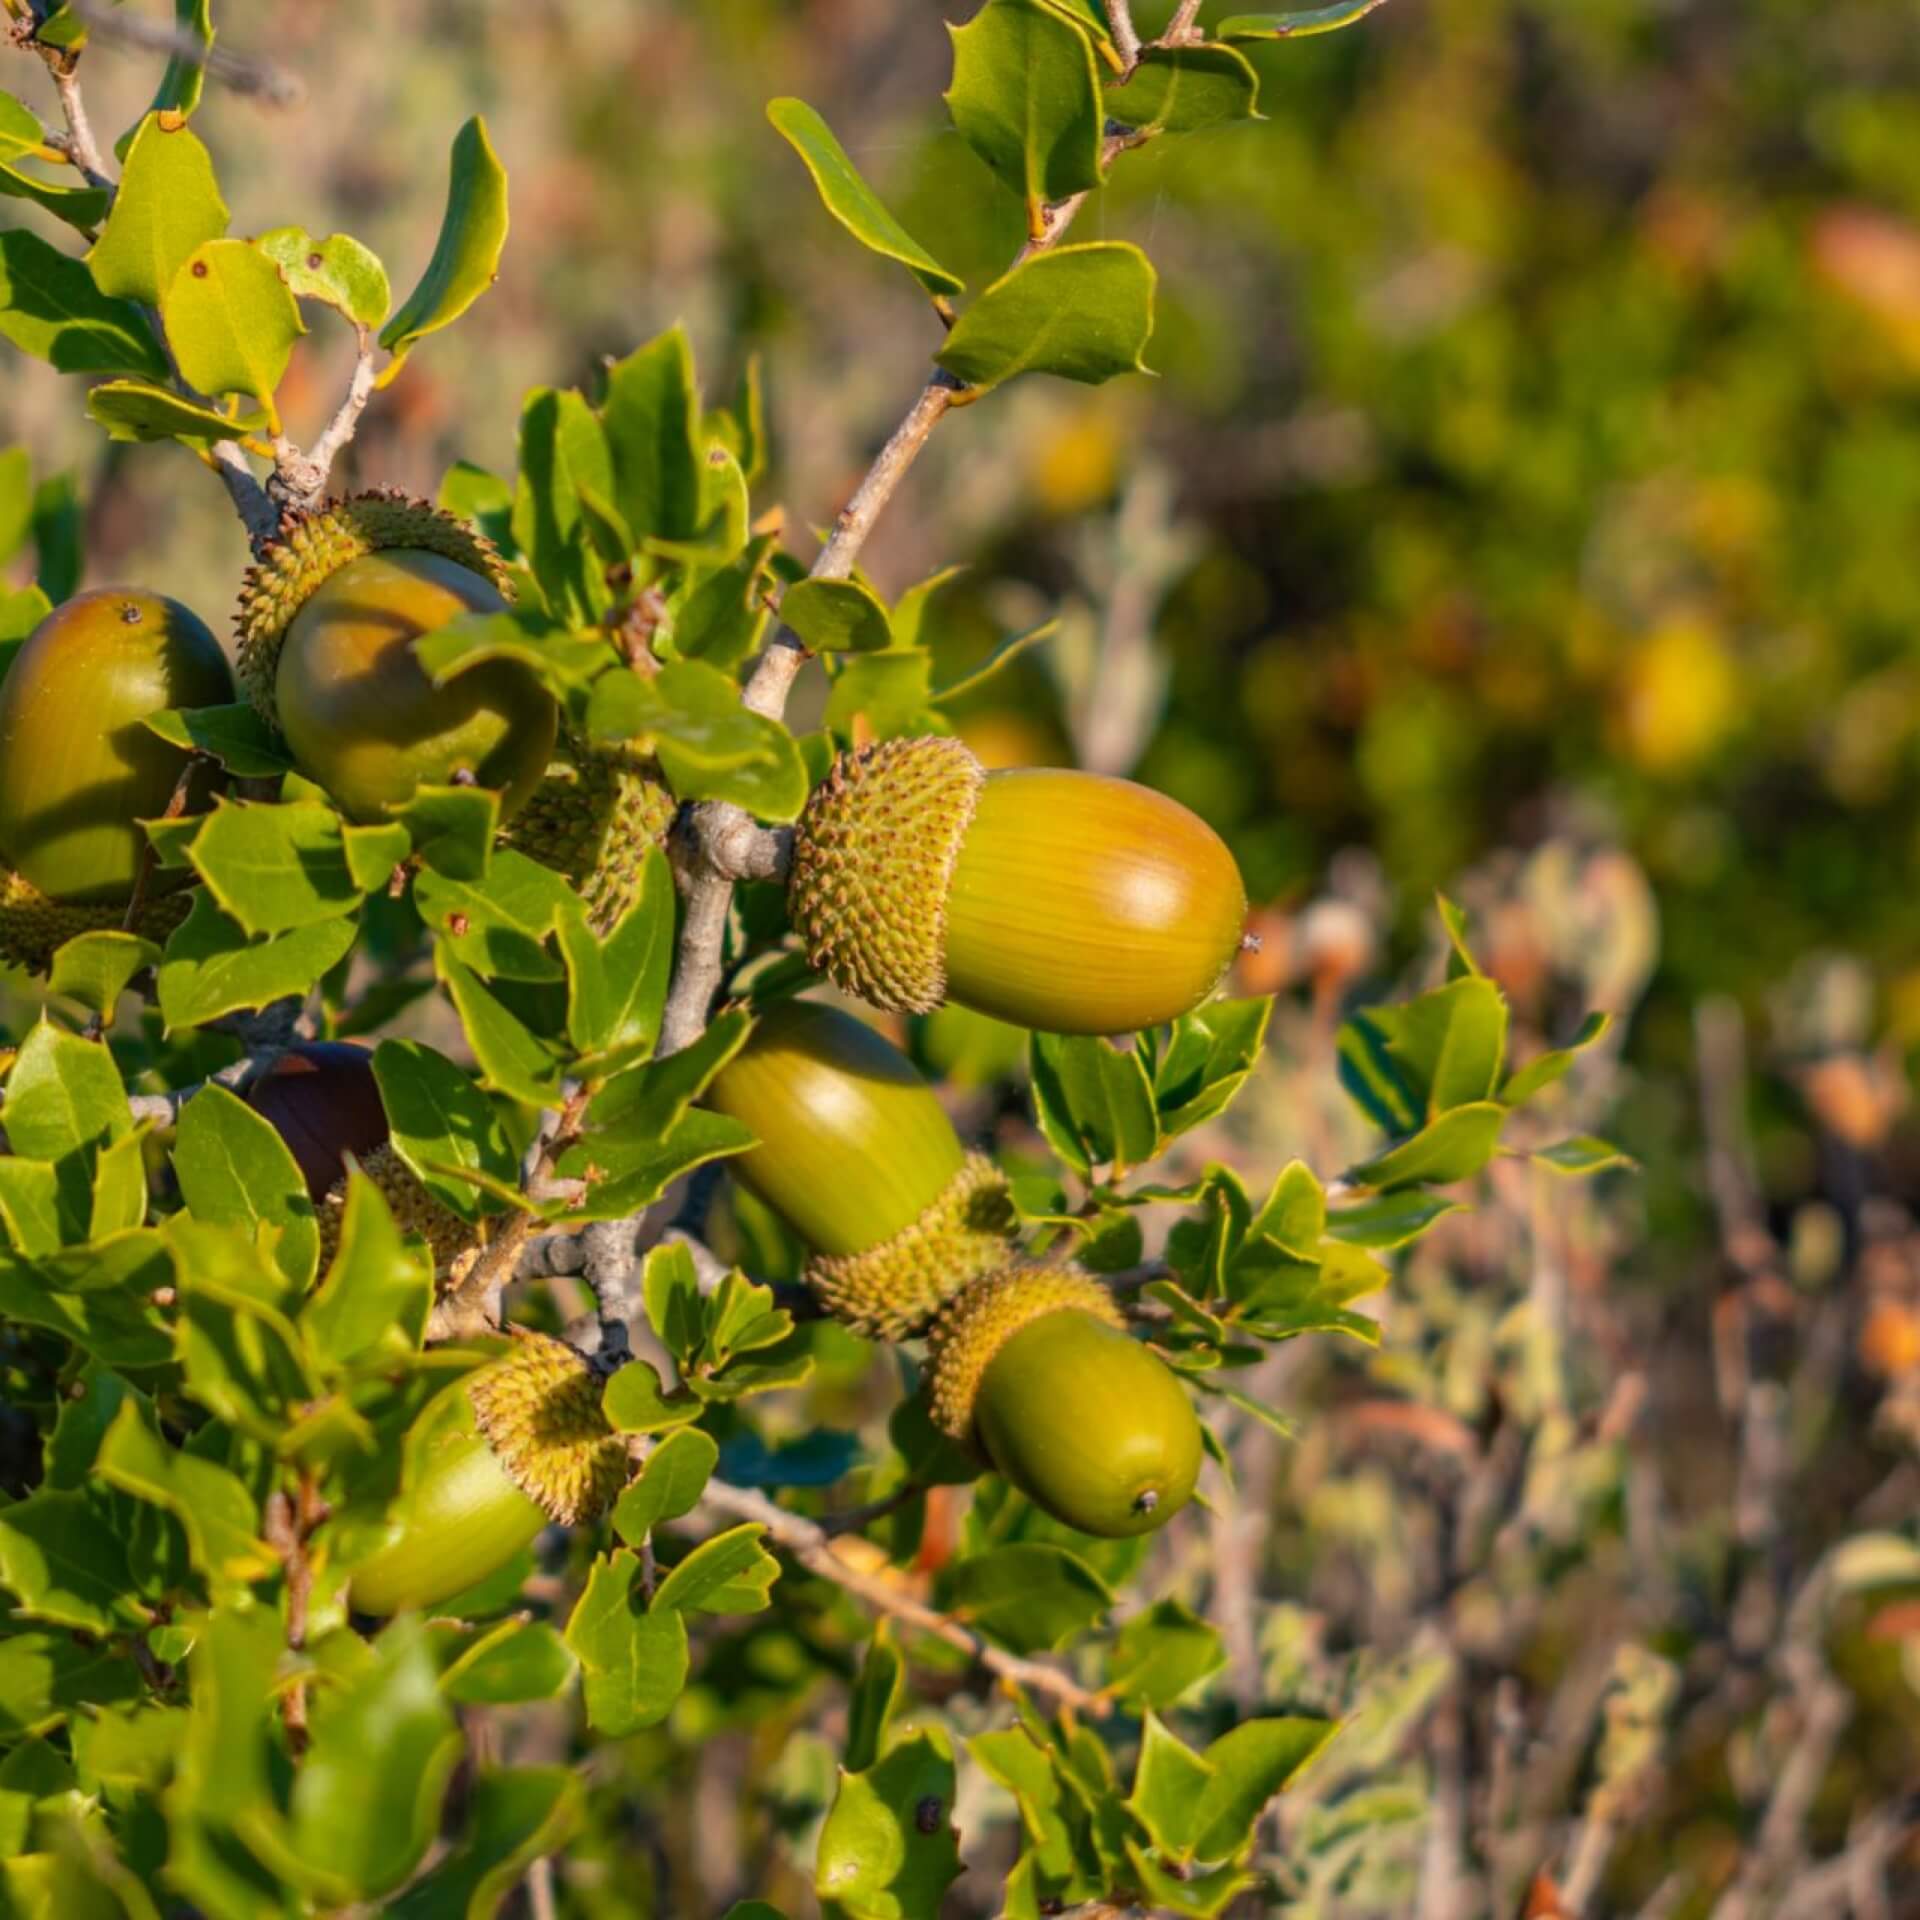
(1181,29)
(812,1546)
(244,73)
(1126,36)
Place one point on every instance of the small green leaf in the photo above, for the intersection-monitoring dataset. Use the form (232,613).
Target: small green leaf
(440,1118)
(235,1170)
(888,690)
(617,987)
(512,1059)
(728,1573)
(375,1297)
(452,829)
(1297,24)
(1455,1147)
(652,419)
(1094,1102)
(1251,1763)
(337,271)
(211,967)
(1163,1653)
(186,75)
(850,200)
(21,134)
(635,1402)
(134,410)
(633,1660)
(50,307)
(96,968)
(232,322)
(1026,98)
(79,207)
(1033,1597)
(1295,1215)
(64,1567)
(236,736)
(513,1819)
(668,1485)
(881,1857)
(64,1097)
(274,869)
(837,616)
(1186,90)
(1169,1784)
(1581,1155)
(563,455)
(517,1661)
(1391,1221)
(1083,312)
(877,1696)
(996,662)
(466,257)
(1547,1068)
(168,205)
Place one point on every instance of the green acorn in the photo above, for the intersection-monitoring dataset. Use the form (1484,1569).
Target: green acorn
(1033,1367)
(327,622)
(858,1156)
(592,819)
(494,1459)
(1060,901)
(79,770)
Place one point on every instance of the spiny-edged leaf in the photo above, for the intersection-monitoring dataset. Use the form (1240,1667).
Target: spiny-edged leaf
(850,200)
(729,1573)
(452,829)
(50,307)
(1296,24)
(186,76)
(668,1485)
(1251,1763)
(513,1819)
(837,616)
(215,1511)
(1454,1147)
(877,1696)
(64,1567)
(236,1171)
(1082,312)
(1453,923)
(635,1402)
(633,1660)
(338,271)
(1163,1653)
(440,1118)
(117,1324)
(95,968)
(212,967)
(1200,1896)
(1207,1060)
(63,1096)
(234,735)
(375,1298)
(512,1059)
(466,257)
(46,1674)
(1541,1072)
(1031,1596)
(135,410)
(652,418)
(1581,1155)
(243,1355)
(275,868)
(888,1850)
(1169,1784)
(168,204)
(40,1211)
(366,1799)
(1060,1847)
(1295,1214)
(617,987)
(1093,1101)
(563,455)
(1186,89)
(1026,98)
(231,322)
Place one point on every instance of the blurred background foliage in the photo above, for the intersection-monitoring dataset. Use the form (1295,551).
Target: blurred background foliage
(1529,503)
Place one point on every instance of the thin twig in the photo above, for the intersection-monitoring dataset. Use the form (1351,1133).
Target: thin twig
(1181,29)
(1126,37)
(302,478)
(81,144)
(812,1546)
(245,73)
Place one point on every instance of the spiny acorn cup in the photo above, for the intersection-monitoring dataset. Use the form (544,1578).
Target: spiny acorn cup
(79,770)
(1061,901)
(858,1156)
(592,819)
(495,1458)
(1034,1368)
(322,1099)
(327,621)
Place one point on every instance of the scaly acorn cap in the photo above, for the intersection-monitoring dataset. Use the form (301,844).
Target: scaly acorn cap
(539,1408)
(312,547)
(454,1243)
(972,1329)
(895,1289)
(872,863)
(33,928)
(593,820)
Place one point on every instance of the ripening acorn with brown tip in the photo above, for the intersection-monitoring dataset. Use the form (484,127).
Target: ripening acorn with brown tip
(79,768)
(1061,901)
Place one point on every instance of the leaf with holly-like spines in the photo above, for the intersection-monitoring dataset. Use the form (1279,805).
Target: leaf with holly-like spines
(1032,1597)
(1169,1783)
(1206,1060)
(235,1170)
(1093,1101)
(97,968)
(1186,90)
(115,1321)
(276,869)
(438,1118)
(234,735)
(63,1567)
(512,1058)
(1251,1763)
(211,966)
(373,1301)
(1082,312)
(242,1352)
(617,986)
(231,323)
(563,455)
(1163,1653)
(888,1850)
(45,1674)
(850,200)
(652,418)
(877,1696)
(466,256)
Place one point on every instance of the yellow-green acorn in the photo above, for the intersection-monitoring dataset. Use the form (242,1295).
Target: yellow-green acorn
(327,622)
(1034,1368)
(858,1156)
(79,770)
(592,819)
(1061,901)
(494,1459)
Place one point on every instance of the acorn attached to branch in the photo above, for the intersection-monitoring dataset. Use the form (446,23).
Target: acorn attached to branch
(1060,901)
(496,1457)
(322,1099)
(79,770)
(858,1156)
(592,819)
(1034,1368)
(327,621)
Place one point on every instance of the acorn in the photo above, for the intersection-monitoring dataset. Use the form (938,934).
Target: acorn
(79,770)
(592,819)
(496,1457)
(322,1099)
(1034,1369)
(858,1156)
(1060,901)
(327,621)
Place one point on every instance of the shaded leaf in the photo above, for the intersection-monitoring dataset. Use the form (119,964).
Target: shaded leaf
(466,257)
(1083,312)
(51,308)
